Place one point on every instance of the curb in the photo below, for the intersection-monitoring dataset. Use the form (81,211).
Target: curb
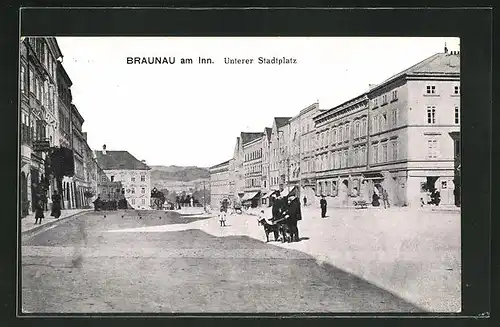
(51,223)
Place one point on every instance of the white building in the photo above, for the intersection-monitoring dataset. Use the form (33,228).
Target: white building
(135,175)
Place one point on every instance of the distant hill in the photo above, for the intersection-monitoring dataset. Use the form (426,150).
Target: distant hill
(177,173)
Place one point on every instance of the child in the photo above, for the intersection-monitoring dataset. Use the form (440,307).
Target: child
(261,216)
(222,216)
(39,212)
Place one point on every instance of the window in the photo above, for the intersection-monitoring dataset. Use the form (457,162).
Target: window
(143,178)
(431,115)
(431,89)
(375,124)
(394,117)
(375,154)
(375,102)
(394,150)
(384,152)
(432,148)
(133,200)
(132,179)
(133,190)
(334,136)
(112,178)
(327,139)
(348,132)
(384,99)
(383,122)
(356,130)
(457,115)
(23,78)
(32,81)
(345,158)
(341,134)
(394,95)
(444,184)
(363,127)
(456,90)
(37,88)
(356,158)
(103,178)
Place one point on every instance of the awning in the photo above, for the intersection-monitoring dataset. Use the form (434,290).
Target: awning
(249,196)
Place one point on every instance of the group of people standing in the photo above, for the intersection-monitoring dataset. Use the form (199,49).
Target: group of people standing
(286,210)
(40,206)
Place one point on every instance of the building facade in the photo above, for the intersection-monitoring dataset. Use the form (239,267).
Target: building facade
(340,154)
(219,184)
(266,178)
(134,175)
(398,136)
(279,148)
(39,121)
(252,165)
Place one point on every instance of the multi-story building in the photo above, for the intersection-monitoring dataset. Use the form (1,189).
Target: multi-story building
(237,173)
(399,136)
(411,141)
(340,155)
(265,184)
(279,149)
(219,184)
(91,173)
(38,58)
(134,175)
(252,165)
(78,145)
(307,173)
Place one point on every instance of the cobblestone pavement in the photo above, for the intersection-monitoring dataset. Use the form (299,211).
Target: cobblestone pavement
(79,267)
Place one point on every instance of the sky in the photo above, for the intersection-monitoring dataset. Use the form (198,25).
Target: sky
(190,115)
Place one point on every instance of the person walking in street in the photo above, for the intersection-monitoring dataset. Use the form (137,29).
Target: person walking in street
(294,215)
(56,205)
(97,203)
(39,206)
(322,203)
(385,199)
(276,210)
(305,201)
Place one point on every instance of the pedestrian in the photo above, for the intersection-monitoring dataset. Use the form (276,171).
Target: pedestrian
(305,201)
(97,203)
(39,206)
(191,202)
(385,199)
(56,205)
(294,215)
(375,197)
(322,204)
(276,210)
(436,197)
(222,215)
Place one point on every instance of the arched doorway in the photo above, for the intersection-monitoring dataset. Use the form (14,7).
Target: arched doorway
(24,195)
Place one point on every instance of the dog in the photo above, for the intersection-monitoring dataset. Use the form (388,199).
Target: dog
(286,233)
(268,228)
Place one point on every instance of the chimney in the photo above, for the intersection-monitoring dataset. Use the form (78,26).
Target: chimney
(143,161)
(104,149)
(446,48)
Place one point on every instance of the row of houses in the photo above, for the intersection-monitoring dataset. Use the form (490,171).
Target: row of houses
(402,135)
(50,120)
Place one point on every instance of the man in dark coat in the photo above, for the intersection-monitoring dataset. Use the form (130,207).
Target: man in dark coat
(56,205)
(276,210)
(322,203)
(294,215)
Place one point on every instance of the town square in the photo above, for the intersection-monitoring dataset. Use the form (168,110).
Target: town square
(240,188)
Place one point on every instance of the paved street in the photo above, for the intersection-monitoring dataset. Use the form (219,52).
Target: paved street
(94,264)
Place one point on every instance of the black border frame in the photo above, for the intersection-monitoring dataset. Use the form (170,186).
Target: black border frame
(472,25)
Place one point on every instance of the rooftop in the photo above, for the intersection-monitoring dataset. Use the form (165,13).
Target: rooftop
(222,164)
(248,137)
(281,121)
(119,160)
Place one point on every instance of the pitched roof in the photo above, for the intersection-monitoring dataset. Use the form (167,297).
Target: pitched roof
(120,160)
(248,137)
(281,121)
(439,63)
(268,131)
(222,164)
